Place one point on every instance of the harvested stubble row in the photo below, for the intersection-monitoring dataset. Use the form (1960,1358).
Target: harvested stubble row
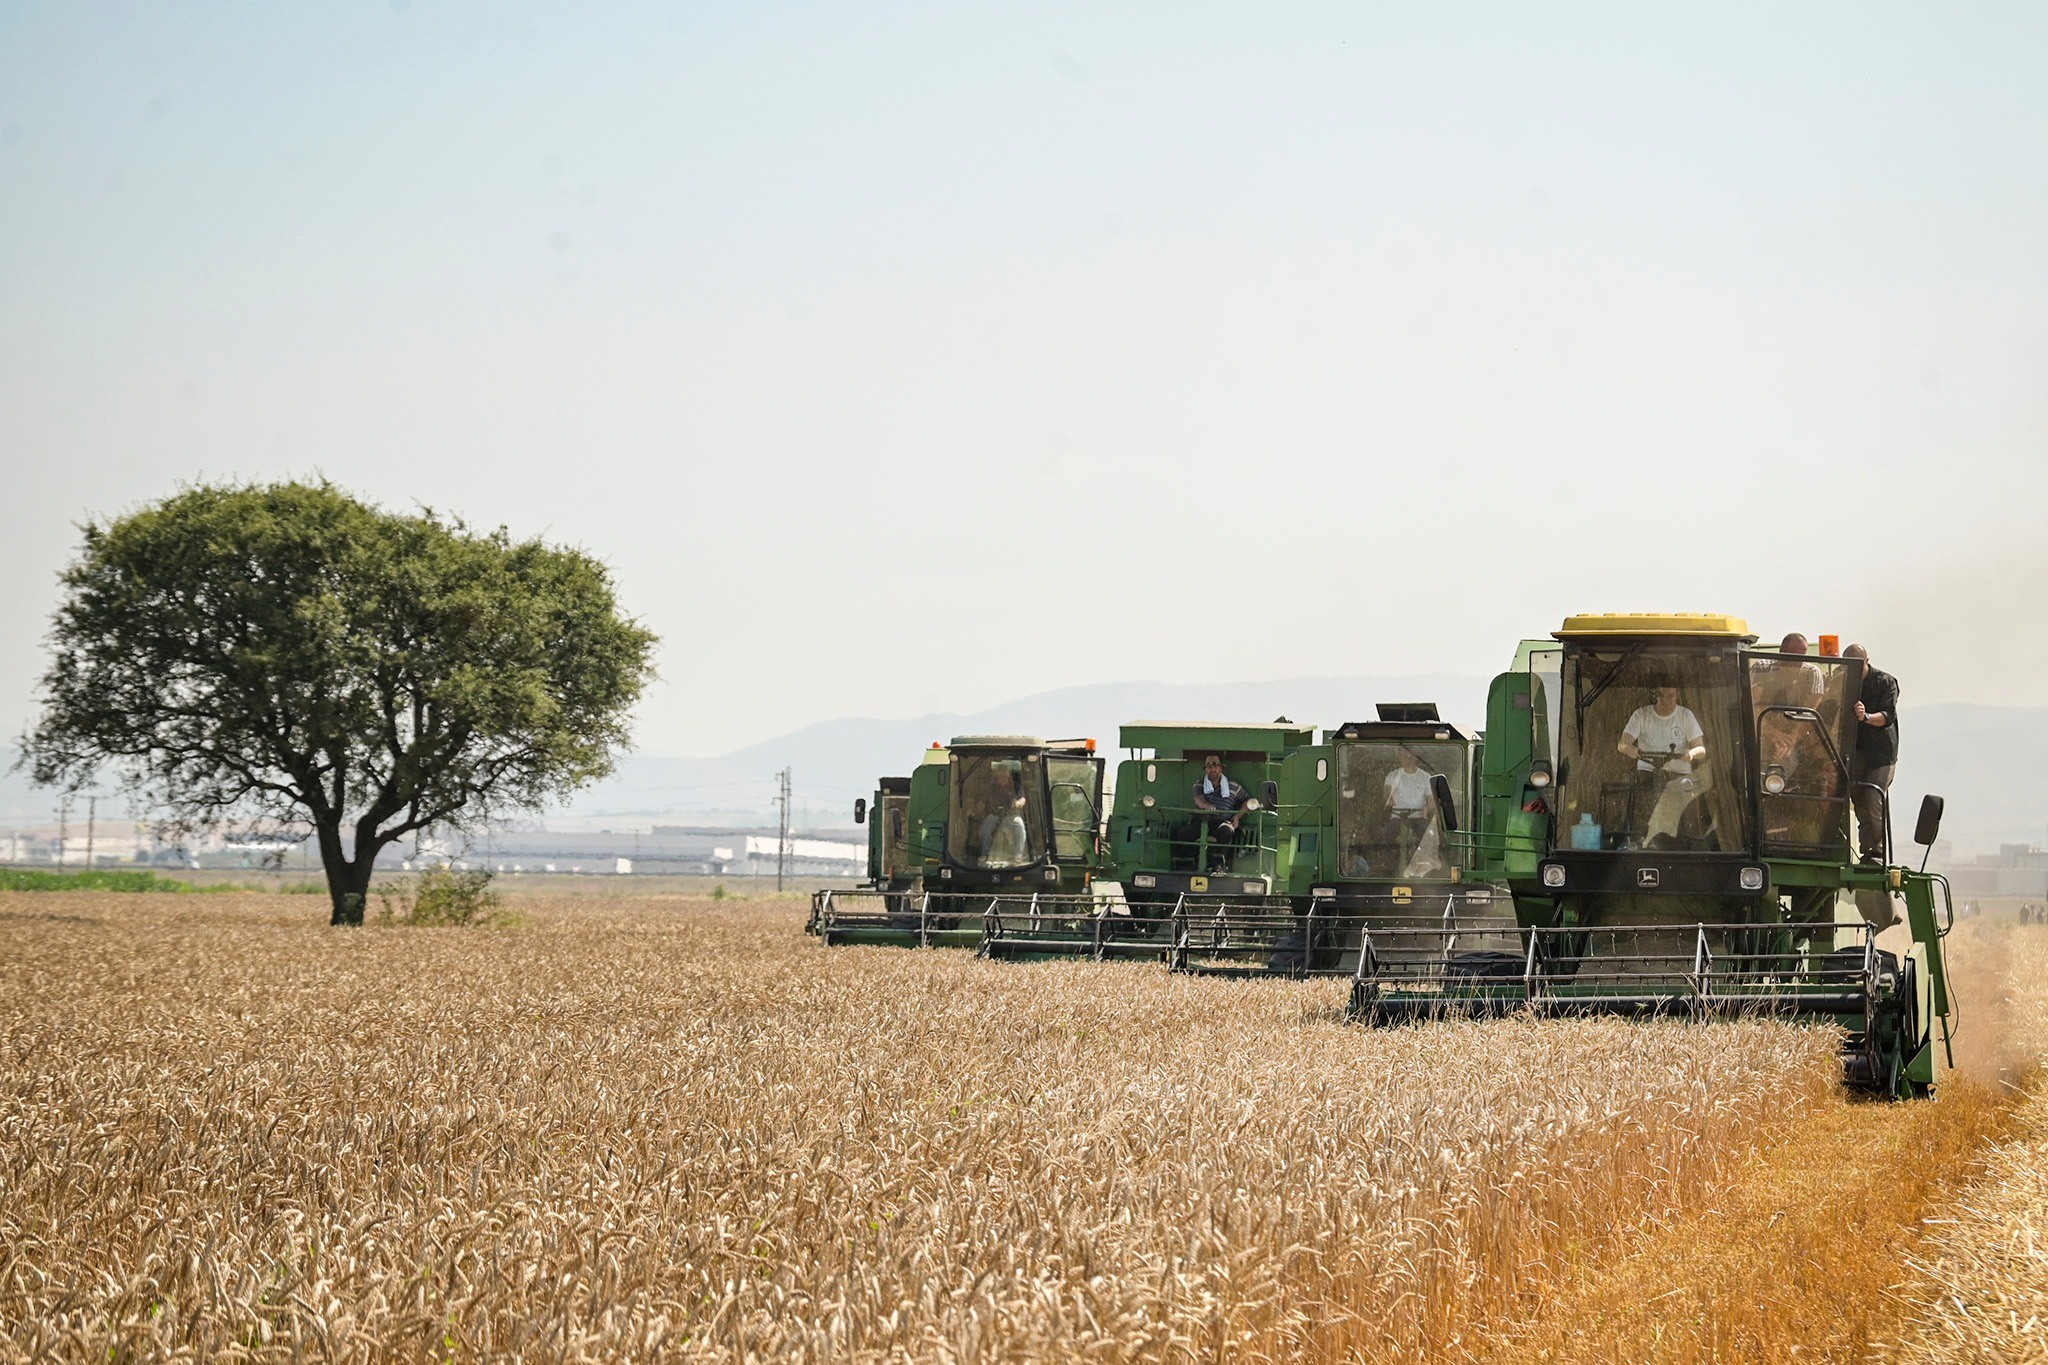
(680,1127)
(1979,1289)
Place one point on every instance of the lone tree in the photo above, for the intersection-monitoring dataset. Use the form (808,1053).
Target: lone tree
(288,657)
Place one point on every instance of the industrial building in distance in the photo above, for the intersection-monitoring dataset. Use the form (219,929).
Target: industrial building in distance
(670,850)
(665,849)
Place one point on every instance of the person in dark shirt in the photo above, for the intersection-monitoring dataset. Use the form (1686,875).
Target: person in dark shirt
(1219,809)
(1877,752)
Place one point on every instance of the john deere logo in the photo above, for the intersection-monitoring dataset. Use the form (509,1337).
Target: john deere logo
(1198,883)
(1647,876)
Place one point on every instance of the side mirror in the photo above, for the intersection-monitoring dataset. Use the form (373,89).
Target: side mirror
(1929,825)
(860,810)
(1446,805)
(1269,792)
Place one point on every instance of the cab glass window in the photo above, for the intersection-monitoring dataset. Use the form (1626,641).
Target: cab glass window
(1546,696)
(998,816)
(1651,746)
(1805,709)
(1076,787)
(1388,820)
(895,818)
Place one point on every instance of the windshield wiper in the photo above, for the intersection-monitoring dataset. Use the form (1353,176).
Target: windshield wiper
(1580,701)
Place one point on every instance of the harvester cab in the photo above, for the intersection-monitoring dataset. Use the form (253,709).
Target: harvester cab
(1167,854)
(1021,814)
(1167,846)
(988,820)
(1400,806)
(1400,848)
(1670,808)
(1374,836)
(891,866)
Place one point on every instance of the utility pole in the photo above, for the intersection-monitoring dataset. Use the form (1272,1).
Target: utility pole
(782,830)
(63,828)
(92,820)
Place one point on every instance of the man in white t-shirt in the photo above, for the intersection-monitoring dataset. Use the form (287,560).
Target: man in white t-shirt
(1408,786)
(1409,801)
(1666,736)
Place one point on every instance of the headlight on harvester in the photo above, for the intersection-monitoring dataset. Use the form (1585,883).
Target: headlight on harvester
(1051,874)
(1145,881)
(946,874)
(1553,874)
(1149,802)
(1774,780)
(1539,773)
(1752,879)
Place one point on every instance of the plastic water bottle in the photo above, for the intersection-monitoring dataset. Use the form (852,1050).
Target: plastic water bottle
(1586,834)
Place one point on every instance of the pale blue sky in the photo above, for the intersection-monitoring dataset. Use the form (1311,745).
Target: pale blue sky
(908,358)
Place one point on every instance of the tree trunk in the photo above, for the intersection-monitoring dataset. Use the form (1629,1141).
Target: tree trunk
(348,882)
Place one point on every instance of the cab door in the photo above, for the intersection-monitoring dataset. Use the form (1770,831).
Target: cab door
(893,821)
(1076,791)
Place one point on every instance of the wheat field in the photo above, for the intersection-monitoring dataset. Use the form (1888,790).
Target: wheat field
(680,1128)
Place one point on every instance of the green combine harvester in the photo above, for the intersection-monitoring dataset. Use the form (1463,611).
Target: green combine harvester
(1373,833)
(1670,808)
(1169,862)
(985,821)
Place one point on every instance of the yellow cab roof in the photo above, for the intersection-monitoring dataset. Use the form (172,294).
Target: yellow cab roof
(1639,623)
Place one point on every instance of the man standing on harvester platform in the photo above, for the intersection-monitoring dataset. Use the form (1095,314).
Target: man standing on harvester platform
(1877,752)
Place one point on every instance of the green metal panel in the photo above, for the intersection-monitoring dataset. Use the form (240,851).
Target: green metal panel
(1306,779)
(1504,829)
(928,787)
(1180,739)
(1150,833)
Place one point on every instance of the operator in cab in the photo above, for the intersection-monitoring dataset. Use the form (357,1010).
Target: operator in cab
(1665,738)
(1408,800)
(1003,838)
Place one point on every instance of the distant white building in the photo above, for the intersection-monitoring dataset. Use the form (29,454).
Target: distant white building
(2015,870)
(668,849)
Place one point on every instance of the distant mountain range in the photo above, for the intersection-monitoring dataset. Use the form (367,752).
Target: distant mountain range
(1990,762)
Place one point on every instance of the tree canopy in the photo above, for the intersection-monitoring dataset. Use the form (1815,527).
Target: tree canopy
(288,657)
